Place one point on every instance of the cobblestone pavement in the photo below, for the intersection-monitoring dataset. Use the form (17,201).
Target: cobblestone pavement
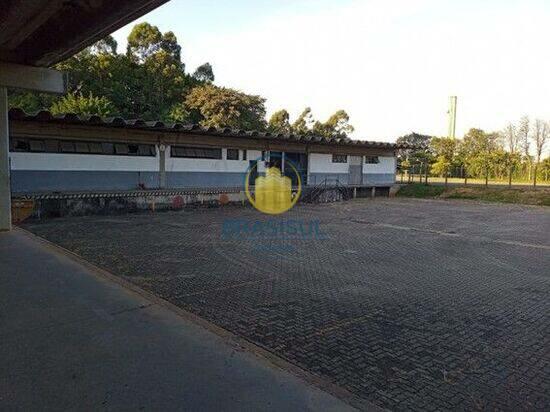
(411,304)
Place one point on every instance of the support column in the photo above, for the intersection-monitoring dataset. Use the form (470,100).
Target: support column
(5,193)
(162,166)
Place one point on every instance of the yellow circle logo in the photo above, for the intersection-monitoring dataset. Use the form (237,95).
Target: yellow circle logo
(272,192)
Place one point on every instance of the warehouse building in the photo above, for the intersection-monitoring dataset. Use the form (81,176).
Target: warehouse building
(72,153)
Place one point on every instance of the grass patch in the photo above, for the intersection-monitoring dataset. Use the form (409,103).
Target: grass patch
(540,197)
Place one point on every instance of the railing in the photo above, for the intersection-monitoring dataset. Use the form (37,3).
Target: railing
(312,193)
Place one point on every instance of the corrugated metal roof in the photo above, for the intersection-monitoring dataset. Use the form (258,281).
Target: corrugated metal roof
(118,122)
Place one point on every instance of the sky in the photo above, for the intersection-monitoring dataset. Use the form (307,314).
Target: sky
(391,64)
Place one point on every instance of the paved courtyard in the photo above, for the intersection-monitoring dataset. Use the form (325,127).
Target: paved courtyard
(410,304)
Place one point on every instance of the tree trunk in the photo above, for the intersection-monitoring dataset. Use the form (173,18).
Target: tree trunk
(535,175)
(486,178)
(426,176)
(510,178)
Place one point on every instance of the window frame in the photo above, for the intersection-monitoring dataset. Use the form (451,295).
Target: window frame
(372,160)
(339,158)
(235,153)
(65,146)
(196,152)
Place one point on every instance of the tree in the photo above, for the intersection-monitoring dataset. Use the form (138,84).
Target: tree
(204,73)
(415,152)
(302,125)
(279,122)
(224,107)
(169,43)
(79,104)
(524,142)
(512,140)
(540,136)
(545,168)
(108,45)
(143,41)
(479,149)
(445,150)
(337,125)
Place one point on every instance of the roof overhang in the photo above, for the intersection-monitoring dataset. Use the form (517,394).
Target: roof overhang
(45,32)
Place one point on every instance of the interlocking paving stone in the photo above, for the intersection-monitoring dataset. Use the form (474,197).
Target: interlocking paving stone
(413,305)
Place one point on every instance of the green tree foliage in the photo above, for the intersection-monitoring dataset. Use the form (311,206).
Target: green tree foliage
(337,125)
(108,45)
(204,73)
(79,104)
(279,122)
(479,152)
(445,151)
(416,152)
(303,124)
(224,107)
(146,40)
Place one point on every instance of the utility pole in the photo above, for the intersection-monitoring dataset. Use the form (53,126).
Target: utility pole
(452,117)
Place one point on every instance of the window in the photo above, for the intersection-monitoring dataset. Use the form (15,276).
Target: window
(232,154)
(95,148)
(133,149)
(196,152)
(36,145)
(146,150)
(121,149)
(337,158)
(372,160)
(67,147)
(244,154)
(51,146)
(82,147)
(20,145)
(108,148)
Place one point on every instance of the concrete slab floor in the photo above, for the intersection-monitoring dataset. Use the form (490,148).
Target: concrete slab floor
(72,340)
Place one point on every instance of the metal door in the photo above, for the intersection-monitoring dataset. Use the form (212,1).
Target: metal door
(355,170)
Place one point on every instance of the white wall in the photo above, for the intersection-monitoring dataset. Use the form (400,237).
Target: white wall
(387,165)
(322,163)
(70,161)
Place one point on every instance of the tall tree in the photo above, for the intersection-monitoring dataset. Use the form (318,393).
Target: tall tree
(524,142)
(224,107)
(279,122)
(143,41)
(541,131)
(445,150)
(511,140)
(108,45)
(204,73)
(479,149)
(416,152)
(302,125)
(337,125)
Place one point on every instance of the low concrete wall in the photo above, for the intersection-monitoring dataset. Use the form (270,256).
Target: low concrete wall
(80,204)
(112,203)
